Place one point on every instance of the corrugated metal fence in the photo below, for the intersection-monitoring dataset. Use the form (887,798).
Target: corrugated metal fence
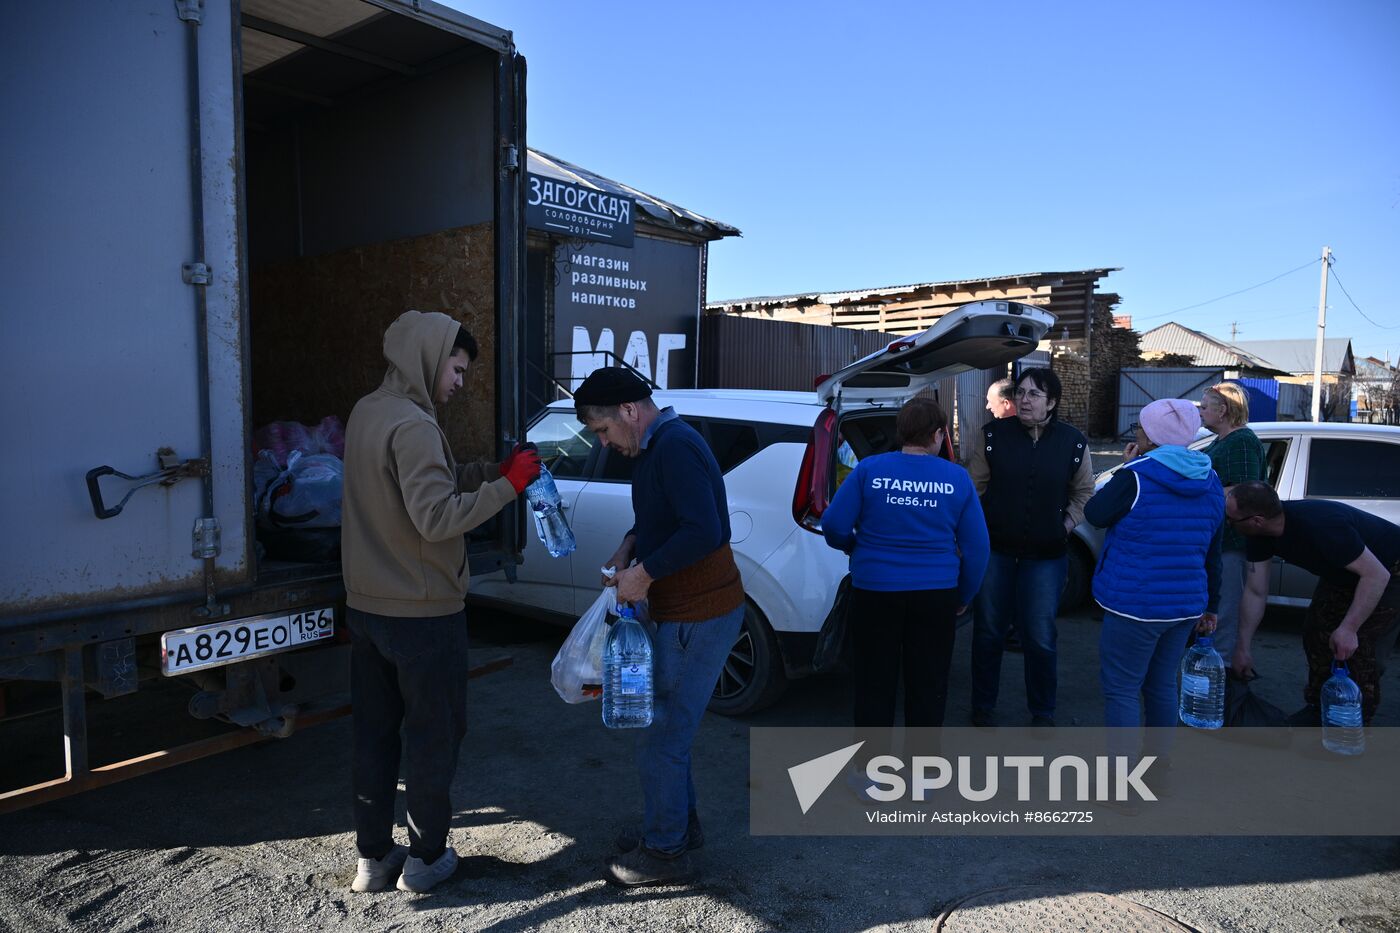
(1263,398)
(751,353)
(1139,386)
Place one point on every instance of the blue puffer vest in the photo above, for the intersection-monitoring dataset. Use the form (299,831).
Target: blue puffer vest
(1153,566)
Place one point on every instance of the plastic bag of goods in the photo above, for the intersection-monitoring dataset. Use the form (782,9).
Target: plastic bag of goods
(306,494)
(280,438)
(328,437)
(577,671)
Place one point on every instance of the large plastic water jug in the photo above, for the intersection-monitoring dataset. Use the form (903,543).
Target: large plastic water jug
(627,674)
(1202,697)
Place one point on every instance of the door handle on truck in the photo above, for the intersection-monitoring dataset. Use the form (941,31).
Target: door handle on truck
(171,472)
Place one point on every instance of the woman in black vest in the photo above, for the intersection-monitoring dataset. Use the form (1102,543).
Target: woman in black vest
(1034,476)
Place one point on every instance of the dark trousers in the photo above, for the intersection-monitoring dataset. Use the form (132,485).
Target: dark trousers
(1020,594)
(409,674)
(909,630)
(1374,641)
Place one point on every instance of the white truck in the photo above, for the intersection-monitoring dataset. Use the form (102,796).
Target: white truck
(212,210)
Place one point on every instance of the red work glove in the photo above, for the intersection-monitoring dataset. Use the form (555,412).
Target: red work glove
(522,467)
(515,452)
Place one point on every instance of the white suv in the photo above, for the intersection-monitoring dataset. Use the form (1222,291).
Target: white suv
(778,454)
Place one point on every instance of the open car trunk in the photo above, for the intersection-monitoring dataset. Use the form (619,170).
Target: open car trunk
(863,399)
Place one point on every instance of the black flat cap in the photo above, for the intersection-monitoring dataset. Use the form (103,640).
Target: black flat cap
(611,385)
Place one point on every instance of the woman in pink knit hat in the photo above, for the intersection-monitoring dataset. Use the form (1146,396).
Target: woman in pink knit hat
(1159,576)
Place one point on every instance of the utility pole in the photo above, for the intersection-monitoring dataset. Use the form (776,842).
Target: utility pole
(1321,331)
(1234,330)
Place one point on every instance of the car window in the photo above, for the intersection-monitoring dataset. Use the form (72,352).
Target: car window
(1353,469)
(565,444)
(618,469)
(732,443)
(1275,453)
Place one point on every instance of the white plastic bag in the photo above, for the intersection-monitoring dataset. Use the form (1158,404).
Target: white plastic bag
(577,671)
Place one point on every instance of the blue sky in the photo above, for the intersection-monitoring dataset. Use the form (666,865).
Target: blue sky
(1203,147)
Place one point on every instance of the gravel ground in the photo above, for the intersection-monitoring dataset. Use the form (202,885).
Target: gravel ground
(260,839)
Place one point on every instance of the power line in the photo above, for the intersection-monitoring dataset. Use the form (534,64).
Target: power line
(1354,305)
(1202,304)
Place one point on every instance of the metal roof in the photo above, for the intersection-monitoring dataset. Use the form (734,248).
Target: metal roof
(1297,356)
(859,295)
(659,212)
(1204,349)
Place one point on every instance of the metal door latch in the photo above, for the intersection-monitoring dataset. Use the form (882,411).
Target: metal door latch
(172,470)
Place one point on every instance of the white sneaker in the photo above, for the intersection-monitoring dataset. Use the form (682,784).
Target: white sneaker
(418,877)
(374,874)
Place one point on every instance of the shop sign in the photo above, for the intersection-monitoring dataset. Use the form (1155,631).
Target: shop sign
(565,209)
(640,304)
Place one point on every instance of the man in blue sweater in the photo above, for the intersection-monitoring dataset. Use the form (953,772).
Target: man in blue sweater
(684,567)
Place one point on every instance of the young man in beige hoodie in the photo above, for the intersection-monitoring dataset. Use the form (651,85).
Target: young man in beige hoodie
(408,505)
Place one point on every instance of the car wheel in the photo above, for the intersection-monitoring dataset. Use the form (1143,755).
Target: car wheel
(753,676)
(1077,579)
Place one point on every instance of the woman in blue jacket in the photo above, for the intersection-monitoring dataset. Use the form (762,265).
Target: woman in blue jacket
(913,526)
(1159,576)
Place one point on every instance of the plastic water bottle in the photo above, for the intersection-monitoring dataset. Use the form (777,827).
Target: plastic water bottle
(627,686)
(550,523)
(1203,686)
(1342,731)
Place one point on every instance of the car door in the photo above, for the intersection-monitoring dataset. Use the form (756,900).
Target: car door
(600,519)
(1359,470)
(1282,468)
(569,452)
(980,335)
(603,516)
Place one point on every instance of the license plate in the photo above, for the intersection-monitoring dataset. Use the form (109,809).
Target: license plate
(226,642)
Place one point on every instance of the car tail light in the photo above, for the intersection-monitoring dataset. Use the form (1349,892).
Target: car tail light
(811,497)
(899,346)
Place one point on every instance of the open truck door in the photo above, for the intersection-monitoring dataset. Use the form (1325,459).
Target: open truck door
(135,313)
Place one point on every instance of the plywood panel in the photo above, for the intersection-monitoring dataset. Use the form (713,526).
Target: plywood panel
(318,327)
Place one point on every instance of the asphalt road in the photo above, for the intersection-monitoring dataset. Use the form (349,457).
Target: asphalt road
(260,839)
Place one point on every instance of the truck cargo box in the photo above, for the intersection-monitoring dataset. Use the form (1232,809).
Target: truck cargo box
(213,210)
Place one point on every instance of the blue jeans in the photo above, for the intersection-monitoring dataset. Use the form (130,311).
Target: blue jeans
(1023,594)
(687,658)
(1138,664)
(1233,570)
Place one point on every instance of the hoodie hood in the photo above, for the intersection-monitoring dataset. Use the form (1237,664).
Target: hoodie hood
(1191,464)
(417,346)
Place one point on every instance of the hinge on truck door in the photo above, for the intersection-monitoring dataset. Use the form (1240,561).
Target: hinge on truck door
(512,158)
(208,540)
(194,273)
(190,11)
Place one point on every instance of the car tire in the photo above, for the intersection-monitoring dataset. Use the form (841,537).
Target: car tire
(753,675)
(1081,571)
